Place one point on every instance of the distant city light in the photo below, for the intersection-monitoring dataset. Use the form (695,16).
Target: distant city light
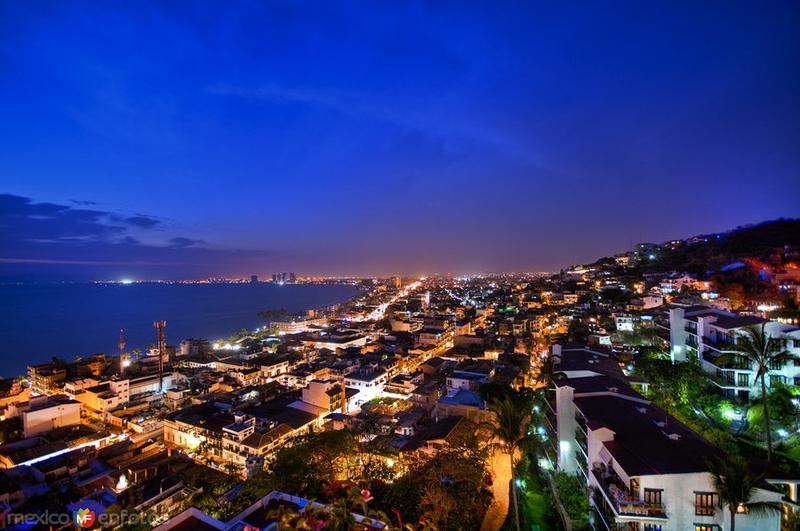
(126,281)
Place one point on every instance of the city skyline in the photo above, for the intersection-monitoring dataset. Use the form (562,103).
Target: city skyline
(194,141)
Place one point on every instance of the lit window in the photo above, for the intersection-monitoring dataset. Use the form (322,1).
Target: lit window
(705,503)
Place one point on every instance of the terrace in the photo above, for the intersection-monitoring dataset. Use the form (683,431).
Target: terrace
(618,496)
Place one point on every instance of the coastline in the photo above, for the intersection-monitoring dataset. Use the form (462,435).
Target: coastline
(47,321)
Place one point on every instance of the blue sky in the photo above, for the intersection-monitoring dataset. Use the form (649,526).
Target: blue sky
(383,138)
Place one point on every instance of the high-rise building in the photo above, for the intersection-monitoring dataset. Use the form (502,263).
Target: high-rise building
(254,278)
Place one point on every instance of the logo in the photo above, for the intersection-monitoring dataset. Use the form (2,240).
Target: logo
(84,517)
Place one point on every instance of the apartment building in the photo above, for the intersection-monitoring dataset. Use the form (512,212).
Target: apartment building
(644,470)
(705,333)
(47,378)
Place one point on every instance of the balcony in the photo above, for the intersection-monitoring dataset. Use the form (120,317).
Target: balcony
(620,499)
(735,362)
(720,345)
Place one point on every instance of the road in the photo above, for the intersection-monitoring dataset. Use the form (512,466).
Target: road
(498,510)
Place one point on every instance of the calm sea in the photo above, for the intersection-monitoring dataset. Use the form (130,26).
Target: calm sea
(38,321)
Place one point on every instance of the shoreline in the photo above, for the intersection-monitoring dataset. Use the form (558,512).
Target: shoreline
(211,315)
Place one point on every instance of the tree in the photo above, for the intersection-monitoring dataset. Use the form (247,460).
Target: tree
(455,477)
(547,371)
(762,351)
(511,430)
(735,486)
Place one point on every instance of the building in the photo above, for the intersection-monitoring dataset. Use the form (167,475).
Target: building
(43,414)
(260,515)
(705,333)
(47,378)
(642,467)
(336,340)
(272,368)
(624,322)
(100,398)
(297,325)
(369,383)
(325,396)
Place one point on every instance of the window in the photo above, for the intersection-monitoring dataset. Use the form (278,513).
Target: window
(705,503)
(706,527)
(743,379)
(653,496)
(635,487)
(652,527)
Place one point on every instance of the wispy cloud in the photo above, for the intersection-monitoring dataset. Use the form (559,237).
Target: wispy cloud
(60,237)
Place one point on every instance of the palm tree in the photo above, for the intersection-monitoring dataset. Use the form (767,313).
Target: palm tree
(762,351)
(735,486)
(548,372)
(510,429)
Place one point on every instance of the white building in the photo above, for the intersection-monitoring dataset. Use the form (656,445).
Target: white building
(43,414)
(707,333)
(296,326)
(624,322)
(369,382)
(644,470)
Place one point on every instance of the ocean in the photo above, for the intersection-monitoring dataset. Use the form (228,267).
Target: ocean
(39,321)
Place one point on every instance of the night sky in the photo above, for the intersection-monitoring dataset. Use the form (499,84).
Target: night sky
(187,139)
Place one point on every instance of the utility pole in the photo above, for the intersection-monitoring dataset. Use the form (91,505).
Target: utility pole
(121,345)
(160,326)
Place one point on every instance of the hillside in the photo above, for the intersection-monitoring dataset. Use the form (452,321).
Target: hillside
(738,261)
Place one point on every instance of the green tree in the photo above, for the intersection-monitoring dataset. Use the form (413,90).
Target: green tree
(454,478)
(735,486)
(761,351)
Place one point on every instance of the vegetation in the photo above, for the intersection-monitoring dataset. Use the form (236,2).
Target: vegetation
(448,491)
(513,415)
(319,459)
(762,351)
(735,486)
(536,500)
(574,498)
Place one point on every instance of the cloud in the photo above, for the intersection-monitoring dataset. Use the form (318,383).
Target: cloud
(33,229)
(82,202)
(22,221)
(140,220)
(185,242)
(65,242)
